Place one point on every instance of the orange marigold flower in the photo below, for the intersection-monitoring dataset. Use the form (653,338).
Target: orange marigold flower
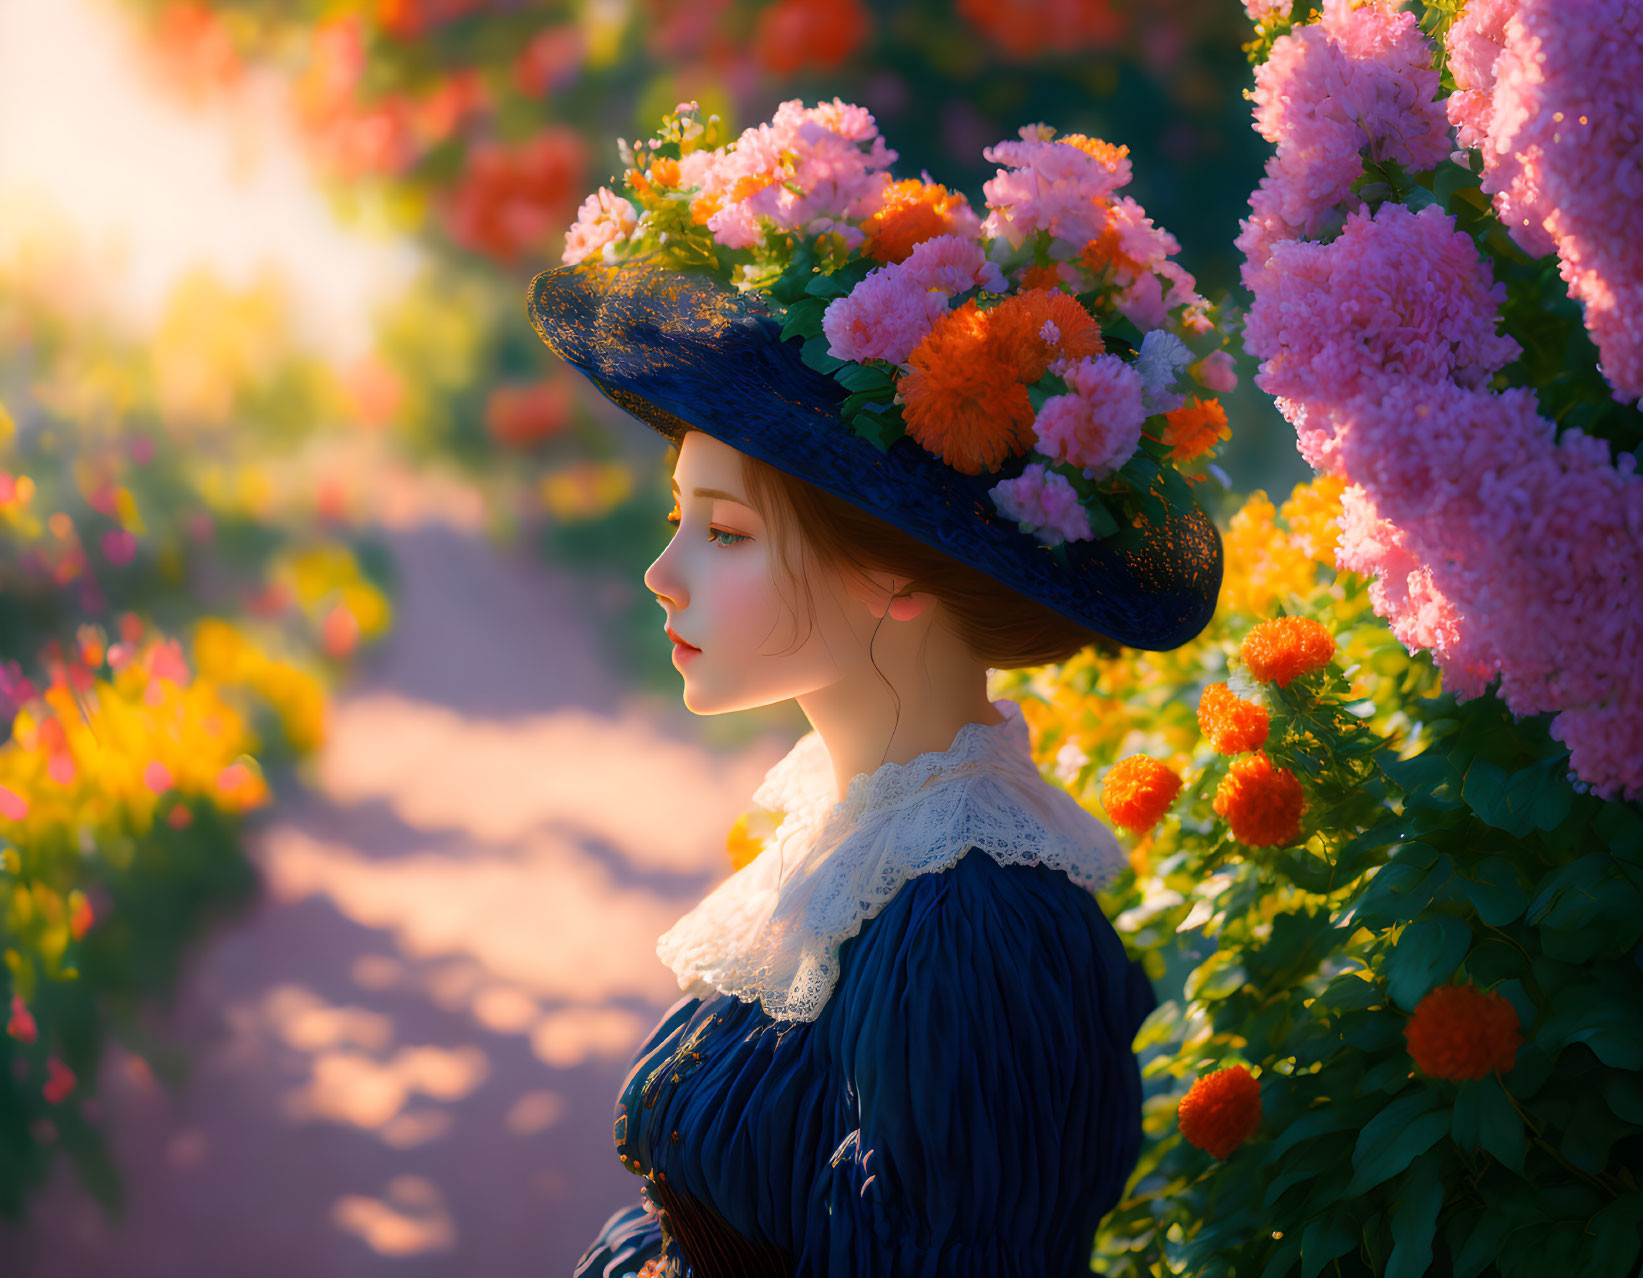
(912,212)
(1221,1111)
(1195,428)
(1017,324)
(1284,648)
(962,403)
(1047,276)
(1460,1031)
(1138,791)
(1263,804)
(1231,724)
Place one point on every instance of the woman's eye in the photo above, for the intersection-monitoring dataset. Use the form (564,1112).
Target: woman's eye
(715,533)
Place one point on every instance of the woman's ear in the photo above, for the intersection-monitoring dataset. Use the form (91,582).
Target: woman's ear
(879,594)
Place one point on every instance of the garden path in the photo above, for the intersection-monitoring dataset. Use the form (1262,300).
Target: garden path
(406,1052)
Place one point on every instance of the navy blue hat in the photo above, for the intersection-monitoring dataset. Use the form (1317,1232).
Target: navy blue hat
(677,350)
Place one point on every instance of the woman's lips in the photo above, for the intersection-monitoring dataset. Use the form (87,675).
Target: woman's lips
(679,643)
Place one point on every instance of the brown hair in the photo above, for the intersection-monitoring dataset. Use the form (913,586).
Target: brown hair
(1002,627)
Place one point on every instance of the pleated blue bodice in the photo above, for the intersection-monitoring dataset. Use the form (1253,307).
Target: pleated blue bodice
(967,1103)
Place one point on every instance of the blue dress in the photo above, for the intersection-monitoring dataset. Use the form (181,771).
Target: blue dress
(967,1103)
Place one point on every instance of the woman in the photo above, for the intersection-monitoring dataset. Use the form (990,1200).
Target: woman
(905,1042)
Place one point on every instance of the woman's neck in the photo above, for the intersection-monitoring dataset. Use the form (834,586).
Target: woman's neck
(863,727)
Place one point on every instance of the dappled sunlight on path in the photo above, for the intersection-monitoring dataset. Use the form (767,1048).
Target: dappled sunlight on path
(405,1056)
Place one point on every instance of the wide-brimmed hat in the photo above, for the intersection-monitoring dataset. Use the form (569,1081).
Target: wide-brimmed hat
(682,349)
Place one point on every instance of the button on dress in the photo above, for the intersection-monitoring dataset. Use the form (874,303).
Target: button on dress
(966,1101)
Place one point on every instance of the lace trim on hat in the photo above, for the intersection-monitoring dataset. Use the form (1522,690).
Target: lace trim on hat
(771,932)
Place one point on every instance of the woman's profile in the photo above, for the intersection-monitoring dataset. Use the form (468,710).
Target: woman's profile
(904,1045)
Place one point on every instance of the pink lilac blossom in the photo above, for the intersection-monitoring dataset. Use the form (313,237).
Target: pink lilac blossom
(1359,79)
(1397,294)
(806,164)
(1551,93)
(1048,186)
(1045,503)
(886,316)
(604,220)
(1504,548)
(951,264)
(1097,426)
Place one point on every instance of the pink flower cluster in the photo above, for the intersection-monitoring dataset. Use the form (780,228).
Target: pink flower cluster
(605,219)
(1551,93)
(890,312)
(804,171)
(1043,502)
(1411,299)
(1097,426)
(1499,545)
(1360,80)
(1049,186)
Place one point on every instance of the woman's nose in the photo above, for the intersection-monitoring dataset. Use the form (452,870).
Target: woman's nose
(662,581)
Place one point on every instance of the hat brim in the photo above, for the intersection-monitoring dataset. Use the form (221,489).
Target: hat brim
(678,350)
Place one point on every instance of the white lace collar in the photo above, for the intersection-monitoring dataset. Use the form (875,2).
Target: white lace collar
(772,930)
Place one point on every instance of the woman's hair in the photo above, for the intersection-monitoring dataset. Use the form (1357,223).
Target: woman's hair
(1001,626)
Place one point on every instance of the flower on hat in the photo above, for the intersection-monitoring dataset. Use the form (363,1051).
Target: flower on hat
(1195,428)
(1462,1032)
(1284,648)
(1220,1111)
(1261,803)
(962,401)
(1138,791)
(1098,426)
(914,211)
(1019,325)
(1043,502)
(1231,724)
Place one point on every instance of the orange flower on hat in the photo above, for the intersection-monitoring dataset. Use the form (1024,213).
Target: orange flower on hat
(1462,1032)
(1221,1111)
(912,212)
(1138,791)
(1231,724)
(1263,804)
(1286,647)
(1195,428)
(961,401)
(1018,326)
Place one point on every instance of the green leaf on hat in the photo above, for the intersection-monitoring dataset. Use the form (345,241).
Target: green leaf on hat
(804,318)
(815,356)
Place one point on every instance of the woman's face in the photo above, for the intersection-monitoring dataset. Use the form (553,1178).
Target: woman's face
(716,580)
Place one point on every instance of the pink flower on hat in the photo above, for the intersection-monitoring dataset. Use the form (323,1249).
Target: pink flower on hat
(886,316)
(1098,426)
(1049,186)
(604,218)
(1043,502)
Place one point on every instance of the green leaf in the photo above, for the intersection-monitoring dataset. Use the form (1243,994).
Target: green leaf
(1415,1218)
(1500,1129)
(1589,1133)
(1350,992)
(1102,524)
(1333,1117)
(1616,1228)
(804,318)
(1493,888)
(1625,1097)
(860,377)
(1283,1259)
(1299,1170)
(1466,1119)
(1324,1239)
(828,285)
(1485,793)
(1602,1017)
(879,429)
(815,356)
(1482,1246)
(1429,951)
(1569,898)
(1405,1129)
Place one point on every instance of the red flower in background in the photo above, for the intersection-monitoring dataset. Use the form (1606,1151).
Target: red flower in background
(519,416)
(1221,1111)
(552,60)
(793,35)
(194,52)
(1262,803)
(1138,791)
(1284,648)
(512,199)
(1026,28)
(1462,1032)
(408,19)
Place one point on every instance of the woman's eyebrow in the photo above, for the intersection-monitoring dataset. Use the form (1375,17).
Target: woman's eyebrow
(715,492)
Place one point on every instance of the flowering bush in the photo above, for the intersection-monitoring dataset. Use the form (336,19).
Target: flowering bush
(991,342)
(1423,356)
